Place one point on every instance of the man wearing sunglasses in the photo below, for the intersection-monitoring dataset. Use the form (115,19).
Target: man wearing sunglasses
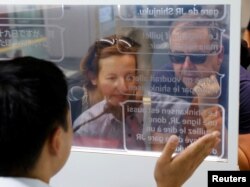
(196,55)
(195,59)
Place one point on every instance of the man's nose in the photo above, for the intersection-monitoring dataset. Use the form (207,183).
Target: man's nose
(187,62)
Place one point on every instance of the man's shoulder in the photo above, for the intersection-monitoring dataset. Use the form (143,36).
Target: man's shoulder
(21,182)
(244,74)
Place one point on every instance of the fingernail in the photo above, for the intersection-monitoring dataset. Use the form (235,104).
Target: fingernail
(173,138)
(216,133)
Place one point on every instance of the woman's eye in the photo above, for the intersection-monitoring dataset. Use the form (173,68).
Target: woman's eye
(130,78)
(111,78)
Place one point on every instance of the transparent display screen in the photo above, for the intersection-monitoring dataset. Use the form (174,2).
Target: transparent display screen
(136,73)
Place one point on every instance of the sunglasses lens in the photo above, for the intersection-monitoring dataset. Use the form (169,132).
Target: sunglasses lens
(198,59)
(102,43)
(178,59)
(195,59)
(125,42)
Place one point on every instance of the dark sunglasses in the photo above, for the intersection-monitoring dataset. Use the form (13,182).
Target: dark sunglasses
(195,59)
(122,43)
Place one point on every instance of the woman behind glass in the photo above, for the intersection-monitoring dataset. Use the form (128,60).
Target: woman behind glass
(110,70)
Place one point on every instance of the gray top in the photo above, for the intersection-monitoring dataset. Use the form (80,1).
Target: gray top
(97,128)
(106,131)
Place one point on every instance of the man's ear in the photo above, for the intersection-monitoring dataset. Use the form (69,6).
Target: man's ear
(221,56)
(56,141)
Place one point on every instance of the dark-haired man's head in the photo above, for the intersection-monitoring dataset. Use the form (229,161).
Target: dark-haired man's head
(34,116)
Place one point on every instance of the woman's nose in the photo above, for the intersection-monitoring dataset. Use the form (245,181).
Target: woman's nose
(122,85)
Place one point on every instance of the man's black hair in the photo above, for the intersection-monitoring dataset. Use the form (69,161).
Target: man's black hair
(33,103)
(244,54)
(248,26)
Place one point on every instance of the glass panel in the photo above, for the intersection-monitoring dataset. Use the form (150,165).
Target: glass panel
(136,73)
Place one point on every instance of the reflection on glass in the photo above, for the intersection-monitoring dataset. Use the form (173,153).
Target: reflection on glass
(136,74)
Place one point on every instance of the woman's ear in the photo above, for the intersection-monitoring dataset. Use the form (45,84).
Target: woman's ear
(94,82)
(92,78)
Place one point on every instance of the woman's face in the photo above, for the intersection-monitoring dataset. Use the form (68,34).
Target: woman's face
(116,78)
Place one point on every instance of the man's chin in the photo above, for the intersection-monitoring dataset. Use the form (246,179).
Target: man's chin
(189,85)
(190,82)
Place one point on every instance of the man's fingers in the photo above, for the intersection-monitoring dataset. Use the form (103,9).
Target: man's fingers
(212,118)
(200,149)
(215,110)
(169,148)
(213,78)
(207,87)
(188,160)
